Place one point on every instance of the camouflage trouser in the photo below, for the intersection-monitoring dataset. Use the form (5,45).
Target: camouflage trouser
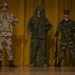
(38,45)
(71,45)
(6,41)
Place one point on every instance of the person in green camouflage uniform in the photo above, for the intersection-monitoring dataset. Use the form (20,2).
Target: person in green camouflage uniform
(67,29)
(7,20)
(39,26)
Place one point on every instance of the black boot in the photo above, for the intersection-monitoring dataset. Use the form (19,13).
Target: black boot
(0,63)
(12,64)
(59,64)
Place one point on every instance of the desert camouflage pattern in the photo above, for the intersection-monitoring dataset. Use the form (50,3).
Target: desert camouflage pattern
(7,21)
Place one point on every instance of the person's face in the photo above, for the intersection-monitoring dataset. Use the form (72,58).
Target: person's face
(66,15)
(4,8)
(38,12)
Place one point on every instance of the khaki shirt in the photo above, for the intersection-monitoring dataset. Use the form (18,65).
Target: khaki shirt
(7,21)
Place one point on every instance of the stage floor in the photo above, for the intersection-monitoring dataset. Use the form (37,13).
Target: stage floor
(37,71)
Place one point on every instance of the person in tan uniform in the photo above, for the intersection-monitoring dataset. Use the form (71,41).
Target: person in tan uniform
(7,21)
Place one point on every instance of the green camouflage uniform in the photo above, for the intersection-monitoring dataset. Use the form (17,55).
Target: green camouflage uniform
(67,29)
(39,27)
(7,20)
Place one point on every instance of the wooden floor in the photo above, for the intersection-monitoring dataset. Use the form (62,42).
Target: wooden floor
(37,71)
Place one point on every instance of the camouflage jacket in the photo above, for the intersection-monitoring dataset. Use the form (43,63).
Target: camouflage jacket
(67,29)
(39,25)
(7,20)
(39,28)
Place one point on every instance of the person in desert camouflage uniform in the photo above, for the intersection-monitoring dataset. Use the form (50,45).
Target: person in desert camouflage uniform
(7,20)
(39,26)
(67,29)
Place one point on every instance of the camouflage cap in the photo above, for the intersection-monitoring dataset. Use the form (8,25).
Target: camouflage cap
(66,11)
(39,8)
(4,5)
